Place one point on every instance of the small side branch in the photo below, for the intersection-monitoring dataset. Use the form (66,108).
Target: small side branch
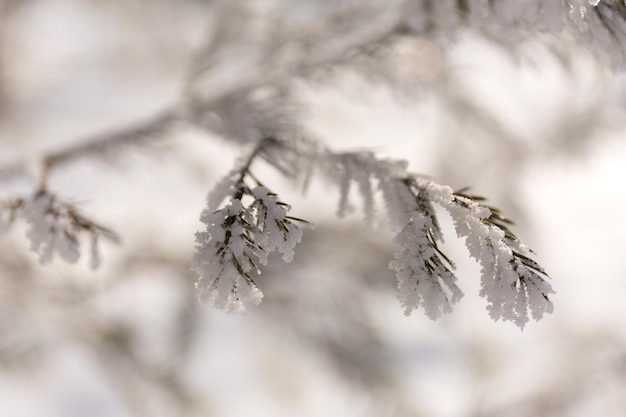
(97,144)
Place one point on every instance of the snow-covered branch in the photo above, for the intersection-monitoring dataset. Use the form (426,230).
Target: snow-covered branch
(238,87)
(512,282)
(424,273)
(240,236)
(54,227)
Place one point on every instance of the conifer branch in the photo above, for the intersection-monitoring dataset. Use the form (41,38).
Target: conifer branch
(54,226)
(241,235)
(513,283)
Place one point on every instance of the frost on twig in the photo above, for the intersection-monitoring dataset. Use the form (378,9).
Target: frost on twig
(240,236)
(253,223)
(512,282)
(424,273)
(365,171)
(54,227)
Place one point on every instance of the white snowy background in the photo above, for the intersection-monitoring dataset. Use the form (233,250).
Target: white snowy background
(74,68)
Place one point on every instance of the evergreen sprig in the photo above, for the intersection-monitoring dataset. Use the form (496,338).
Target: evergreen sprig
(54,226)
(241,235)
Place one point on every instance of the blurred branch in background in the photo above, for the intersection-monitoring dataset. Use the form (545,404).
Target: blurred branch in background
(242,81)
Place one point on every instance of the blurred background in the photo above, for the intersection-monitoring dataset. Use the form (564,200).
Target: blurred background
(140,107)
